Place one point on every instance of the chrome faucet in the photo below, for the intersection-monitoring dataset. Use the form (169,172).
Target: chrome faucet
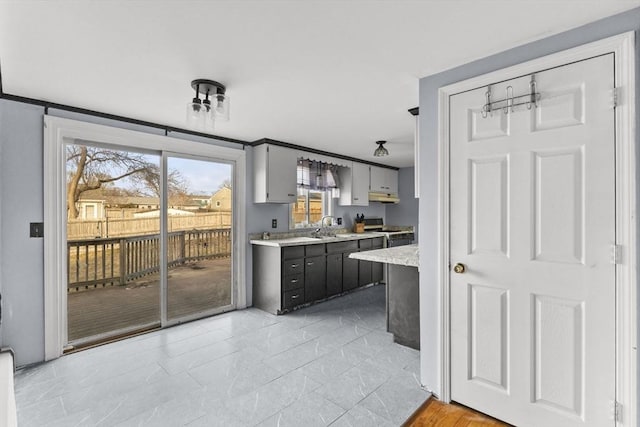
(325,217)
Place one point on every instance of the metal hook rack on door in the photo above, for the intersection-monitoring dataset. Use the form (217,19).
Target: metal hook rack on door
(509,102)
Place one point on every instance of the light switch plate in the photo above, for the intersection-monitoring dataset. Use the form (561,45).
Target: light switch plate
(36,229)
(274,223)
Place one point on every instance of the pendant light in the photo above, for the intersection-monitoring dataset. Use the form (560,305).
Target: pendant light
(381,151)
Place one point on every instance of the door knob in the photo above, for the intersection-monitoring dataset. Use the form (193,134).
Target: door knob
(459,268)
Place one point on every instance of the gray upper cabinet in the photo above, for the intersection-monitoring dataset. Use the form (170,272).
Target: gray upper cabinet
(274,174)
(354,185)
(383,180)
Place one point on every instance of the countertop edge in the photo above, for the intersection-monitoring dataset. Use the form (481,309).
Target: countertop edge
(400,255)
(284,242)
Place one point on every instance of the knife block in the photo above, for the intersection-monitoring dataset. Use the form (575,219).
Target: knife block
(358,227)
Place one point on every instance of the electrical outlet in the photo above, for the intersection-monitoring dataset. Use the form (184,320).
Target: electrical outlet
(274,223)
(339,220)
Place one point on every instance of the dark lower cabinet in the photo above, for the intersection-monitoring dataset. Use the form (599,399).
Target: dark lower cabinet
(309,273)
(364,270)
(315,278)
(334,274)
(349,272)
(377,268)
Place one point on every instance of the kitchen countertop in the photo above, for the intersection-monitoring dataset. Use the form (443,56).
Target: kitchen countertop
(297,241)
(406,255)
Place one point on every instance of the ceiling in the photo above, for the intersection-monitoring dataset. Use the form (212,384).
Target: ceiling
(330,75)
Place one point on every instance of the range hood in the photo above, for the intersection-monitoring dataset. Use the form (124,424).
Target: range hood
(383,197)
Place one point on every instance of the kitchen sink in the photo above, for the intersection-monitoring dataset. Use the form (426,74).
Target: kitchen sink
(325,237)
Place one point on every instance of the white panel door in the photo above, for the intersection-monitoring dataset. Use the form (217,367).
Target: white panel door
(532,219)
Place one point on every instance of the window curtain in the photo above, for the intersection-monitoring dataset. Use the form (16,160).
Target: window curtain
(315,175)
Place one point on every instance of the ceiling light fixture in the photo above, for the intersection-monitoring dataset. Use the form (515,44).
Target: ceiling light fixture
(201,114)
(381,151)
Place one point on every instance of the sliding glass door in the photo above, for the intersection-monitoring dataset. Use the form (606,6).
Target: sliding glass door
(199,237)
(123,207)
(113,246)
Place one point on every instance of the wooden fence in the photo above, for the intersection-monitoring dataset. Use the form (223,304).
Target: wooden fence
(93,263)
(121,227)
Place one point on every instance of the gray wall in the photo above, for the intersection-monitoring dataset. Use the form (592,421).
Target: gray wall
(405,212)
(429,294)
(21,265)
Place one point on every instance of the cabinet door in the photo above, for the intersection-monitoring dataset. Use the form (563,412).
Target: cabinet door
(377,179)
(360,186)
(315,278)
(377,268)
(354,185)
(377,272)
(364,268)
(334,274)
(364,273)
(392,181)
(384,180)
(282,165)
(349,272)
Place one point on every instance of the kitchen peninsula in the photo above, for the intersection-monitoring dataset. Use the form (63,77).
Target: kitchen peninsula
(403,306)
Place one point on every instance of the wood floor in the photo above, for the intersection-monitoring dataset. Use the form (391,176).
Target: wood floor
(437,414)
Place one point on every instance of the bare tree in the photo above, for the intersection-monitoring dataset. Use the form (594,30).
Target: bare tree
(226,184)
(92,168)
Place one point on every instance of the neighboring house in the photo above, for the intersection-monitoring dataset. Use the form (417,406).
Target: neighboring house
(221,200)
(90,209)
(203,200)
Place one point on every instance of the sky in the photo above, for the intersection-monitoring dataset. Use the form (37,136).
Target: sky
(204,177)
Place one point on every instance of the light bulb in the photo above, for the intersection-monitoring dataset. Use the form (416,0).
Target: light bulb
(222,107)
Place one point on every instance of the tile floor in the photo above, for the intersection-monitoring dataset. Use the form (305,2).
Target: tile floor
(329,364)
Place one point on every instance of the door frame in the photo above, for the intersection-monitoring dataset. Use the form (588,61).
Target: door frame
(623,47)
(57,132)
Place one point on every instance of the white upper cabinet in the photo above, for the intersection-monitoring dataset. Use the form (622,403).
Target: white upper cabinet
(384,180)
(274,174)
(354,185)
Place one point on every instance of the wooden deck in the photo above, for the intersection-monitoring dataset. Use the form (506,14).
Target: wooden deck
(193,287)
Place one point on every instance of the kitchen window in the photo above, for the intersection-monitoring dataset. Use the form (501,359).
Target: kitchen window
(317,185)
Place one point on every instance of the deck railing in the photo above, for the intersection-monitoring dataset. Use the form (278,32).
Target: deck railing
(93,263)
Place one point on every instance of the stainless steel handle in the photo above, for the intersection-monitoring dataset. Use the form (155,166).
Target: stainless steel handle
(294,296)
(310,263)
(294,280)
(294,265)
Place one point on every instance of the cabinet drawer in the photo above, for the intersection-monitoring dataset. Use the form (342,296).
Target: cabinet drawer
(293,266)
(293,252)
(293,281)
(349,246)
(314,250)
(365,244)
(293,298)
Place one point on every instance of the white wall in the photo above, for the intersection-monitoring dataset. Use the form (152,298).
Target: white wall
(430,297)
